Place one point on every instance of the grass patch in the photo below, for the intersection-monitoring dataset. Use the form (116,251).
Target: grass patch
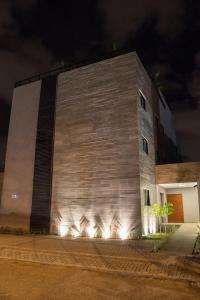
(157,236)
(160,238)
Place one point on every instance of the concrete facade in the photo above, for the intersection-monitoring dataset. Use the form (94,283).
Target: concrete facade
(1,184)
(146,130)
(93,155)
(177,173)
(16,199)
(96,154)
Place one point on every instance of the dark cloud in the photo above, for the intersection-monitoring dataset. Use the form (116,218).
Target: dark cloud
(155,29)
(19,56)
(25,4)
(124,17)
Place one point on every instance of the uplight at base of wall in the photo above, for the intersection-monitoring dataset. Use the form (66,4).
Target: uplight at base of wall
(63,229)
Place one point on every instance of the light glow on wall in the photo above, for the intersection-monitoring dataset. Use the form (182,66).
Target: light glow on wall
(75,233)
(91,232)
(14,196)
(152,224)
(123,233)
(145,226)
(106,231)
(106,234)
(149,224)
(63,229)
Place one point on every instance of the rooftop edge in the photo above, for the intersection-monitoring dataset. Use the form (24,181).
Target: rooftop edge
(72,66)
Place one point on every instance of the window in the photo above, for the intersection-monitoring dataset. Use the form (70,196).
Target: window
(145,146)
(147,201)
(142,100)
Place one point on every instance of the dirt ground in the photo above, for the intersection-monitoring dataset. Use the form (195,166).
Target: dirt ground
(34,281)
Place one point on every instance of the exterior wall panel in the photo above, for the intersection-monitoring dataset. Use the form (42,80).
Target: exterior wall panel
(177,173)
(96,166)
(18,177)
(146,129)
(42,181)
(1,184)
(99,168)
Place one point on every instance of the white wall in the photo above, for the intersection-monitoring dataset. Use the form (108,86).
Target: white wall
(190,203)
(20,156)
(162,190)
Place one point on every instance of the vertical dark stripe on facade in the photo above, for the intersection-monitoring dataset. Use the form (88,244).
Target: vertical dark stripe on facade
(42,182)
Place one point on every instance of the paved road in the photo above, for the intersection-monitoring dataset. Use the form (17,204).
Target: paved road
(21,280)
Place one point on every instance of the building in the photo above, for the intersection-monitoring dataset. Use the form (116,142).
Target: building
(82,151)
(1,183)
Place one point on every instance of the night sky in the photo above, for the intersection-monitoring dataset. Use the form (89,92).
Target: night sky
(38,35)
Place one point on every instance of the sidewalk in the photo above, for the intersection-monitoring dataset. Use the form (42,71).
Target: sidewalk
(128,248)
(125,257)
(182,242)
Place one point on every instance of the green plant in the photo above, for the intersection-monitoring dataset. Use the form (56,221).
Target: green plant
(10,230)
(162,211)
(156,210)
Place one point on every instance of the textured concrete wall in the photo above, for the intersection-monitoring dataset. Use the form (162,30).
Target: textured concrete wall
(96,155)
(1,184)
(146,130)
(99,169)
(177,173)
(18,177)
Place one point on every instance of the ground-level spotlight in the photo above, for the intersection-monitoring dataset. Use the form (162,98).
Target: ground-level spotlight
(106,234)
(63,229)
(123,233)
(91,232)
(75,233)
